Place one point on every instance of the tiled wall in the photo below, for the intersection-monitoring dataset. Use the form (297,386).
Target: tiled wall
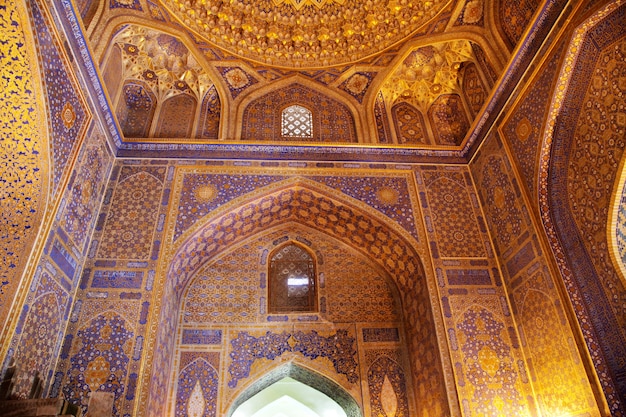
(77,170)
(161,221)
(489,367)
(545,336)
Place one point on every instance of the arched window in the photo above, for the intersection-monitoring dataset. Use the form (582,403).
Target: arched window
(292,280)
(297,122)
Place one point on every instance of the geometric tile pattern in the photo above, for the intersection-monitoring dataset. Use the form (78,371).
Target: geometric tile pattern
(86,188)
(477,318)
(409,124)
(552,358)
(600,142)
(236,79)
(453,215)
(40,333)
(307,207)
(503,214)
(355,228)
(332,120)
(68,113)
(133,214)
(535,306)
(523,127)
(584,147)
(351,286)
(473,89)
(201,193)
(358,84)
(514,16)
(387,194)
(225,291)
(356,292)
(228,289)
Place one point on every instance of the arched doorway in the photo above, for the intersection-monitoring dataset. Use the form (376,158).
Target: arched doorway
(292,390)
(246,353)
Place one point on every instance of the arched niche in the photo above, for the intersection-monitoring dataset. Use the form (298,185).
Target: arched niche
(292,279)
(330,391)
(473,88)
(136,109)
(209,121)
(226,293)
(113,72)
(176,116)
(332,120)
(448,120)
(312,205)
(409,123)
(158,85)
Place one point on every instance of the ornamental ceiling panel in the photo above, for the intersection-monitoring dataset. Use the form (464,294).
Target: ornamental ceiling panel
(305,33)
(438,60)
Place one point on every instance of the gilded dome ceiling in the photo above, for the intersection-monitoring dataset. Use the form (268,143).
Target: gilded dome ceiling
(305,33)
(390,79)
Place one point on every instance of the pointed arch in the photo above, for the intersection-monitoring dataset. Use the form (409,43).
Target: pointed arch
(306,376)
(362,228)
(136,108)
(197,387)
(176,116)
(292,279)
(259,112)
(296,121)
(302,201)
(331,119)
(387,387)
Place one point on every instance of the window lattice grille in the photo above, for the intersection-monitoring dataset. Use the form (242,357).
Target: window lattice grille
(297,121)
(292,281)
